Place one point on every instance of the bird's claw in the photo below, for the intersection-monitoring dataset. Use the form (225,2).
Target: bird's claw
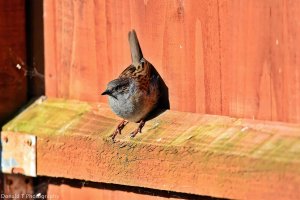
(134,133)
(118,130)
(122,125)
(115,133)
(138,130)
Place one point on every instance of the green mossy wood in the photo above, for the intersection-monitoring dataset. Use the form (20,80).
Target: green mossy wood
(183,152)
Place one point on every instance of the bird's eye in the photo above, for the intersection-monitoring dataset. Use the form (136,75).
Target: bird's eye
(118,88)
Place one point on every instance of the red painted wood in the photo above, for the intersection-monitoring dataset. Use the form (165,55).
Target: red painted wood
(13,82)
(66,192)
(237,58)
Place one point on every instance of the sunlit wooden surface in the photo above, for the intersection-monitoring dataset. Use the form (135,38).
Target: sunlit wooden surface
(182,152)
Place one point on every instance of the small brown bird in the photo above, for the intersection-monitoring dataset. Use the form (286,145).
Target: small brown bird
(135,93)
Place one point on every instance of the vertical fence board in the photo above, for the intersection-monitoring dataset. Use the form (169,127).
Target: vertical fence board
(236,58)
(260,59)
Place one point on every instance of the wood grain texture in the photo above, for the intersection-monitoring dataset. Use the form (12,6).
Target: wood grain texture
(182,152)
(221,57)
(261,58)
(13,82)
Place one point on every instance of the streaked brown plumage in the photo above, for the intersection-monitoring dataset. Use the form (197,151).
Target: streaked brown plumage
(134,94)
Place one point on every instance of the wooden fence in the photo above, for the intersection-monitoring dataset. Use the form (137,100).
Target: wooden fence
(237,58)
(233,58)
(13,82)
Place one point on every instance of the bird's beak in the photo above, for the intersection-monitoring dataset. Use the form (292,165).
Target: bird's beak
(106,92)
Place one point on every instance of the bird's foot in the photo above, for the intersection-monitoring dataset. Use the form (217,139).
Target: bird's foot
(118,129)
(138,130)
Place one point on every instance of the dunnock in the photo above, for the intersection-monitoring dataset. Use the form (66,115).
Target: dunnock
(134,94)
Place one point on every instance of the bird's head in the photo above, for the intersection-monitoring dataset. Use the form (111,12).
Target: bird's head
(117,87)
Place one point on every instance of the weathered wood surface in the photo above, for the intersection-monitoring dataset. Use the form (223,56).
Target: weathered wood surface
(183,152)
(237,58)
(13,82)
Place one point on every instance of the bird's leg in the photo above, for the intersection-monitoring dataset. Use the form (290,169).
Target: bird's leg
(119,129)
(138,130)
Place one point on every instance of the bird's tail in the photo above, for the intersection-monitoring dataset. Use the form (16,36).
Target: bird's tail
(136,52)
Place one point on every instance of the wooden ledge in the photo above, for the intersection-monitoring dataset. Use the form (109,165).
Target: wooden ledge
(183,152)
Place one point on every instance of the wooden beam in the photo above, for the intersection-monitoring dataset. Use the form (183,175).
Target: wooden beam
(183,152)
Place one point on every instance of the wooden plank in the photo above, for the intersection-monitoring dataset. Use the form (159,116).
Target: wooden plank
(13,82)
(260,52)
(182,152)
(221,57)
